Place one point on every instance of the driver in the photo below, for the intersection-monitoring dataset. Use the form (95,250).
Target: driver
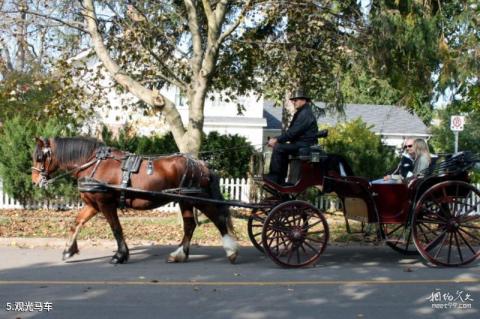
(302,132)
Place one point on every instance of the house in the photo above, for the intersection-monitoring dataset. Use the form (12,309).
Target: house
(393,123)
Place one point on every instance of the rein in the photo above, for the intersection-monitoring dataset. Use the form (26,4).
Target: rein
(101,154)
(44,182)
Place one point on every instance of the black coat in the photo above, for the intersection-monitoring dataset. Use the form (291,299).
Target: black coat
(404,167)
(303,128)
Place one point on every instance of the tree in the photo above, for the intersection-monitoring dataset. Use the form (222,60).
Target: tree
(299,44)
(176,43)
(39,97)
(28,41)
(196,46)
(425,49)
(362,148)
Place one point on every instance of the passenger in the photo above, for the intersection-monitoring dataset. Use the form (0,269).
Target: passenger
(406,162)
(422,157)
(302,132)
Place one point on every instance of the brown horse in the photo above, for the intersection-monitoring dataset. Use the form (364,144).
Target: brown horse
(87,158)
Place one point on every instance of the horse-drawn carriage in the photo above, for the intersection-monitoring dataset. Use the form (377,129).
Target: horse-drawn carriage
(436,215)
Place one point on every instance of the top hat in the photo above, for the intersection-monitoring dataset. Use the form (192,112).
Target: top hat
(299,94)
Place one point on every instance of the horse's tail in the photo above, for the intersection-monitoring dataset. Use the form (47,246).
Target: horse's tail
(223,210)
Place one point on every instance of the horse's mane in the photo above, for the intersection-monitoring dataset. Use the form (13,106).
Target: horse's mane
(69,150)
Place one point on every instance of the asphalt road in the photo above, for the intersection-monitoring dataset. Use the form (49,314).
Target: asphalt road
(348,282)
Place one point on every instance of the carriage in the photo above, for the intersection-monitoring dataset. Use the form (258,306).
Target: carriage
(436,215)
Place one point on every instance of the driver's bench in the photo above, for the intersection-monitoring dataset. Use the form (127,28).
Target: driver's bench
(303,168)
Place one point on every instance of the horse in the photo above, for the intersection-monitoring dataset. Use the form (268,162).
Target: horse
(89,159)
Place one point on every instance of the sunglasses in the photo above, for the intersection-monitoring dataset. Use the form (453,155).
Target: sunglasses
(409,146)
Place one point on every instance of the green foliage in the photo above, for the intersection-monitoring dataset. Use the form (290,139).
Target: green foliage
(423,49)
(228,154)
(17,143)
(362,148)
(128,141)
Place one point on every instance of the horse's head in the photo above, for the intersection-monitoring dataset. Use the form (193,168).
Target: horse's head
(43,162)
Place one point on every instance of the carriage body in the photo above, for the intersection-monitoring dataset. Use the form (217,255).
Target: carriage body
(436,215)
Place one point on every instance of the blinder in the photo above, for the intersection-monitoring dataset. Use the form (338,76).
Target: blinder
(43,157)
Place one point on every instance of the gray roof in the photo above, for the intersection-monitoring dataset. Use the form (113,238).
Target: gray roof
(384,119)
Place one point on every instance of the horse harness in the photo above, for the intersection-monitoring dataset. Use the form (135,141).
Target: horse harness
(189,182)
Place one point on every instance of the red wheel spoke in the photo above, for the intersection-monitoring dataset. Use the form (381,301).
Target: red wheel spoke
(471,226)
(458,247)
(393,230)
(467,219)
(441,246)
(312,225)
(436,241)
(466,242)
(290,254)
(312,248)
(450,248)
(469,234)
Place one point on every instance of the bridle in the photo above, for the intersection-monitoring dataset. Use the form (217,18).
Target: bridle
(45,158)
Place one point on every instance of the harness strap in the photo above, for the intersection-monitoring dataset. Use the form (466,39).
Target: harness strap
(130,164)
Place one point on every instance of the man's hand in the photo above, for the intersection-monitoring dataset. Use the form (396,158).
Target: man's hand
(272,142)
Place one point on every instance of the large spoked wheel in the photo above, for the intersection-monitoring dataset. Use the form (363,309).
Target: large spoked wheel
(399,238)
(295,234)
(255,227)
(256,221)
(446,224)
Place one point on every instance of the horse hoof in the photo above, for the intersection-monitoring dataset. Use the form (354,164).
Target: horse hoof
(171,259)
(67,254)
(118,260)
(233,257)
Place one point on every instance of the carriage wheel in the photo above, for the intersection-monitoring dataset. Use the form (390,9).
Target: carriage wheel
(446,224)
(255,226)
(399,238)
(295,234)
(256,221)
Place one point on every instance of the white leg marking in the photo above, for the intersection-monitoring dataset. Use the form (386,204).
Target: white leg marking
(73,237)
(178,255)
(230,245)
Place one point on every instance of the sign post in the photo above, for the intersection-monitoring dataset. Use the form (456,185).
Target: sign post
(456,125)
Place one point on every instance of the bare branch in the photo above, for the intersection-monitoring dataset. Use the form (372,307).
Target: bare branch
(174,79)
(237,22)
(196,38)
(72,24)
(151,97)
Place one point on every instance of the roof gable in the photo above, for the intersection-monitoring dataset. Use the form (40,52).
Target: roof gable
(384,119)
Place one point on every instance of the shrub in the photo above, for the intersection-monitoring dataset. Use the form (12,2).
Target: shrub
(228,154)
(364,150)
(17,143)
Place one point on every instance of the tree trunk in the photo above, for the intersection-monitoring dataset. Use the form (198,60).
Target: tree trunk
(287,111)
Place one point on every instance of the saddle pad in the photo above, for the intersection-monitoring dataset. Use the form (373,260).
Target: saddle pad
(131,164)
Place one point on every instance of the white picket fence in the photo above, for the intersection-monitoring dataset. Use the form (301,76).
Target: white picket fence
(232,189)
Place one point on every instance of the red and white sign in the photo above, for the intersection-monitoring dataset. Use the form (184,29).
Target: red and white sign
(457,122)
